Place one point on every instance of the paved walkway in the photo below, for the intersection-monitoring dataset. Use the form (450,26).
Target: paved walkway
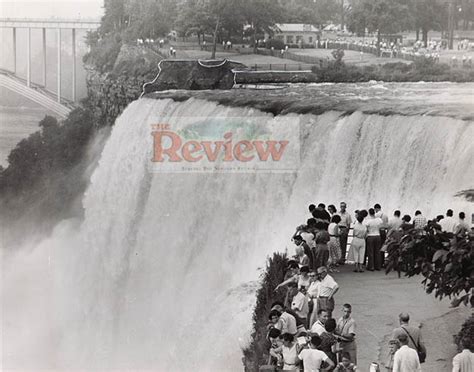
(377,299)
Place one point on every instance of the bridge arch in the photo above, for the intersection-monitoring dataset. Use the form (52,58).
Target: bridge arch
(35,93)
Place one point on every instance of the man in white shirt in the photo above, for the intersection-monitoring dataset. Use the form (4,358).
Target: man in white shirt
(374,242)
(344,226)
(464,361)
(327,289)
(283,321)
(313,358)
(395,222)
(318,327)
(312,293)
(449,223)
(462,227)
(405,358)
(346,328)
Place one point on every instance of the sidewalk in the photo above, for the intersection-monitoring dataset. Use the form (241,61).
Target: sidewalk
(376,301)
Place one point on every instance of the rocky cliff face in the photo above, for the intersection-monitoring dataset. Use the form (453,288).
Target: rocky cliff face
(194,75)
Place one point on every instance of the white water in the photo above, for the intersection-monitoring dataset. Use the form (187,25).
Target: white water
(158,276)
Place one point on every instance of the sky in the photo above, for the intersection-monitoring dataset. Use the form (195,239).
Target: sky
(51,8)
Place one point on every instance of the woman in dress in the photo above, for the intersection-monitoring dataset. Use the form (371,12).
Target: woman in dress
(334,244)
(287,354)
(321,254)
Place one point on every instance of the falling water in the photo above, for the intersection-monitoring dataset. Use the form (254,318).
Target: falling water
(161,272)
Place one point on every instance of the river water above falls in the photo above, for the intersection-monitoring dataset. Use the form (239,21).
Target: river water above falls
(159,274)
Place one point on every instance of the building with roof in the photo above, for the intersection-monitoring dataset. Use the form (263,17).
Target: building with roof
(295,33)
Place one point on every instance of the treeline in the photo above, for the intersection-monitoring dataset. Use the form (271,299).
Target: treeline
(125,21)
(384,17)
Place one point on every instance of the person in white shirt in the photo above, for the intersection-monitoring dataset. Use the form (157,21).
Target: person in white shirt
(313,358)
(312,293)
(395,222)
(405,358)
(283,321)
(464,361)
(374,243)
(318,327)
(358,243)
(327,289)
(449,223)
(462,227)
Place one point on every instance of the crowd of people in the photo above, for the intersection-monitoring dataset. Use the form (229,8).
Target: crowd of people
(302,331)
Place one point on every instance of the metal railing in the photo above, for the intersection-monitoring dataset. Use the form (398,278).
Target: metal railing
(280,66)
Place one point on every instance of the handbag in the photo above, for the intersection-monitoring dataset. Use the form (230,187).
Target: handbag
(421,353)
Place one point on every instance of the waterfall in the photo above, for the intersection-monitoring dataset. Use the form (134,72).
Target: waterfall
(161,273)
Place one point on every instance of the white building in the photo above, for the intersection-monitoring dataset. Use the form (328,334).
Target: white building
(295,33)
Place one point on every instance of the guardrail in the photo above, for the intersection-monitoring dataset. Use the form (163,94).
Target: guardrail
(280,66)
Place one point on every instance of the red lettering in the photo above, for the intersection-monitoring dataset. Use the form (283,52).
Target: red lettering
(238,151)
(190,148)
(270,150)
(212,155)
(228,147)
(159,151)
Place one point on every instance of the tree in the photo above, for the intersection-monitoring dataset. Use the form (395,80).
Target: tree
(445,261)
(379,16)
(261,15)
(428,15)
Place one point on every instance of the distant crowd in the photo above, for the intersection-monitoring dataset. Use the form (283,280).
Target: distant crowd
(302,331)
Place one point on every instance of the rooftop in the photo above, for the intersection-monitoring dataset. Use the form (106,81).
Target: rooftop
(295,27)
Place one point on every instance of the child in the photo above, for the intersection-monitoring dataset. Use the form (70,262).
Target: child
(394,345)
(345,365)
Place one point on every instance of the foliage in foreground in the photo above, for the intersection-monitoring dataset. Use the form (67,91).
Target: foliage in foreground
(256,353)
(446,263)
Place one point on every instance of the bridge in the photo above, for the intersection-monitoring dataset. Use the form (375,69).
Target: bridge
(38,93)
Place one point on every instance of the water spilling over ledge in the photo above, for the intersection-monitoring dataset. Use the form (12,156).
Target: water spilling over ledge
(434,99)
(157,253)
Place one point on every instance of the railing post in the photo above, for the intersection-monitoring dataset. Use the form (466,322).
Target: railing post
(74,65)
(14,50)
(28,57)
(59,65)
(44,57)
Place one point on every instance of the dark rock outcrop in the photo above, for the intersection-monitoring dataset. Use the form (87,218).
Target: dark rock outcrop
(194,75)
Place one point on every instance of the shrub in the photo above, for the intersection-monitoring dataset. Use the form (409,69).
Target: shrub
(256,353)
(275,43)
(446,263)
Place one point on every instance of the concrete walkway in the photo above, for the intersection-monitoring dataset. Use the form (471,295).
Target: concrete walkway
(377,299)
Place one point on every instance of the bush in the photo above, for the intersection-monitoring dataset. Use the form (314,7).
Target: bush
(275,43)
(446,263)
(256,353)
